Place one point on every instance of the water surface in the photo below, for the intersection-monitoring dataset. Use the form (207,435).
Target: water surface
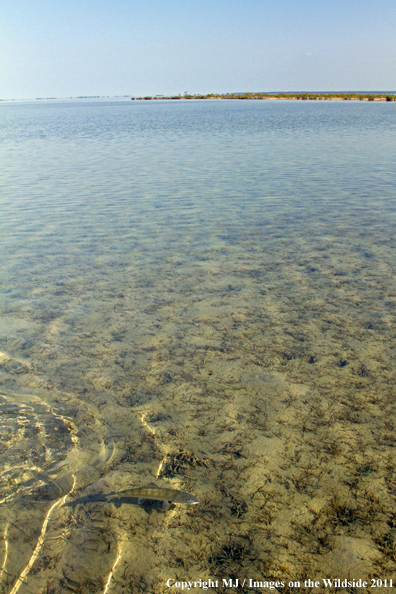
(201,294)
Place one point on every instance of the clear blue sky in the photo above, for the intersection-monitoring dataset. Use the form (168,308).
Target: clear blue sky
(60,48)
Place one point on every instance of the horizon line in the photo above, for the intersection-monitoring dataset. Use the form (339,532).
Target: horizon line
(159,96)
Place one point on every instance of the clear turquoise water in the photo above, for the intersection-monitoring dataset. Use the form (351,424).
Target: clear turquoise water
(179,282)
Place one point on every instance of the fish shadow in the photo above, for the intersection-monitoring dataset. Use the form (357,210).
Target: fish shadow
(148,505)
(96,498)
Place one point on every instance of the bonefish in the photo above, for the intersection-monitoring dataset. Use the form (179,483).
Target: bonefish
(154,493)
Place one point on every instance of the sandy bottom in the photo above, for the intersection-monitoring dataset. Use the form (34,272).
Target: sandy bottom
(263,382)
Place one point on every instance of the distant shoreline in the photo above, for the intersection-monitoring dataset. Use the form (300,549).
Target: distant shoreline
(278,96)
(289,96)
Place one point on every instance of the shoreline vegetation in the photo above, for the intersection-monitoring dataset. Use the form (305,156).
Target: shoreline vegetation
(278,96)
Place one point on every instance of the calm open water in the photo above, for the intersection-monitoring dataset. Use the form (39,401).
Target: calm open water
(200,294)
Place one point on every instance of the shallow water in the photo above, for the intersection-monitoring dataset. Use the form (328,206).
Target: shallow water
(200,294)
